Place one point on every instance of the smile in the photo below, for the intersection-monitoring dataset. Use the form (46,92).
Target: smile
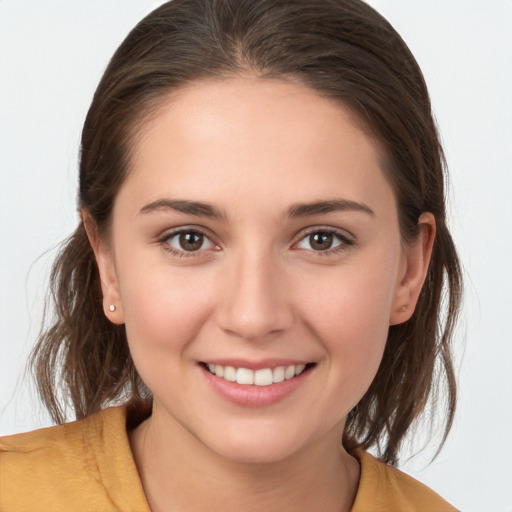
(261,377)
(256,384)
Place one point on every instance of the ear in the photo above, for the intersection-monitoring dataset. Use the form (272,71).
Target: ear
(104,259)
(414,270)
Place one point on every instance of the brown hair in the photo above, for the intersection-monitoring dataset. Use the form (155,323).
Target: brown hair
(344,50)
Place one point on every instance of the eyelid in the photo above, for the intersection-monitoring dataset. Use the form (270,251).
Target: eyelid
(346,237)
(172,232)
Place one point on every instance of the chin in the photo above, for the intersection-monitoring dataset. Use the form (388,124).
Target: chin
(257,445)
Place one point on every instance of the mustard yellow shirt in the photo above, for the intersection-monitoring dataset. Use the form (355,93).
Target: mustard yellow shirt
(87,466)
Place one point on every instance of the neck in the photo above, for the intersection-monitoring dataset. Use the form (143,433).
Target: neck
(179,473)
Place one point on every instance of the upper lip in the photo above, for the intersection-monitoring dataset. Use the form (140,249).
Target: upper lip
(256,365)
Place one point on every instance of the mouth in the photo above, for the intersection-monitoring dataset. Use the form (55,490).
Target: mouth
(261,377)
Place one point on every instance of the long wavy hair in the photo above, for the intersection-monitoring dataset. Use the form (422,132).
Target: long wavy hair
(342,49)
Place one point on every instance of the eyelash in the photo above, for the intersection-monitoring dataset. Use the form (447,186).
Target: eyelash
(342,236)
(164,241)
(345,241)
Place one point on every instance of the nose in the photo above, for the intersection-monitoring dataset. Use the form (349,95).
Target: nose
(254,301)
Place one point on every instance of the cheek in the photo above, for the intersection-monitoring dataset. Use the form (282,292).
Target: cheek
(163,308)
(355,301)
(164,312)
(350,316)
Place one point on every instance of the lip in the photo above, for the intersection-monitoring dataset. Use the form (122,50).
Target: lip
(252,395)
(255,365)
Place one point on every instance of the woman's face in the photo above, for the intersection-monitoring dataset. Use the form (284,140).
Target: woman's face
(256,237)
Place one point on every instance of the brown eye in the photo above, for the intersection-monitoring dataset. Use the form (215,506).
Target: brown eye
(188,241)
(323,241)
(191,241)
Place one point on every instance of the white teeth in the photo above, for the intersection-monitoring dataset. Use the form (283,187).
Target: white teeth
(289,372)
(244,376)
(262,377)
(278,374)
(230,373)
(299,369)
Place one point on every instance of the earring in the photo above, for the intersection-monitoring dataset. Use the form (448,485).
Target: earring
(404,309)
(112,308)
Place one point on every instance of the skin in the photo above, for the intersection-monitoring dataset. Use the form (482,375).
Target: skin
(256,289)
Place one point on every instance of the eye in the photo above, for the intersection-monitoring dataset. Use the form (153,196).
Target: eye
(324,240)
(187,241)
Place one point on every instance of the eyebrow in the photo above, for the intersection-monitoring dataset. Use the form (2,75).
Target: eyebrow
(332,205)
(200,209)
(183,206)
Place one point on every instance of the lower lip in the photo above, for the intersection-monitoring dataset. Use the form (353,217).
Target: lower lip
(252,395)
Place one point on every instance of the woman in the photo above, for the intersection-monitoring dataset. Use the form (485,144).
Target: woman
(257,275)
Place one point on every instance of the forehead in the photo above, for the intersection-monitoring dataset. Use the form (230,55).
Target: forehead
(254,137)
(252,106)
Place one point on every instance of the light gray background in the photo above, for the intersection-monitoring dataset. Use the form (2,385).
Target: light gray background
(52,54)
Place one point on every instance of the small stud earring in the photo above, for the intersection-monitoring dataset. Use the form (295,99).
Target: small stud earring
(112,308)
(404,309)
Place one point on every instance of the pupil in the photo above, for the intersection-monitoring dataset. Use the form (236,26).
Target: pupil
(321,241)
(191,241)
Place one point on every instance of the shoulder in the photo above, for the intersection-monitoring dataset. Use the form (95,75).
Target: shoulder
(59,441)
(67,466)
(385,488)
